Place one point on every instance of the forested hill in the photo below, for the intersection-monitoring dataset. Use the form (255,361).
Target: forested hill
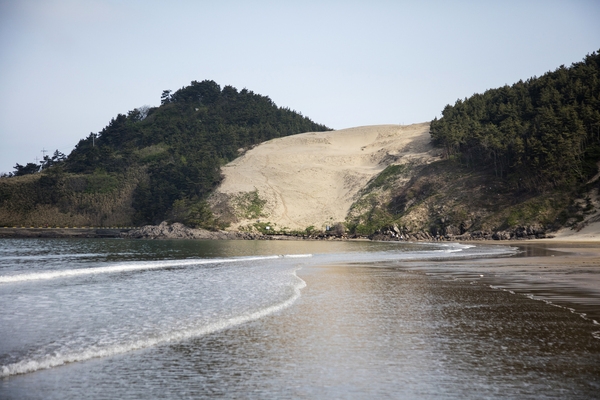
(519,161)
(185,141)
(542,133)
(175,151)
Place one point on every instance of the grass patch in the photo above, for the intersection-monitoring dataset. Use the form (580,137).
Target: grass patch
(101,182)
(266,228)
(152,153)
(249,205)
(537,210)
(387,177)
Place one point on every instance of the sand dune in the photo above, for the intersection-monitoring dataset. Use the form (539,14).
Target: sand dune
(313,178)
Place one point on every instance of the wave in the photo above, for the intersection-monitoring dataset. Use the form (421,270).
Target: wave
(58,359)
(137,266)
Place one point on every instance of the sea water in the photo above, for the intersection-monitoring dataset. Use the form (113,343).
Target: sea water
(270,319)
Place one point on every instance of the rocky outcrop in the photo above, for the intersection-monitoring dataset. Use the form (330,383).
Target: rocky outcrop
(393,233)
(180,231)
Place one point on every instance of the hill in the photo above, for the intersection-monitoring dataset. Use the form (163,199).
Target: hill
(520,161)
(151,164)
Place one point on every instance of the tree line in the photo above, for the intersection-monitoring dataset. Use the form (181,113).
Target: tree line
(541,133)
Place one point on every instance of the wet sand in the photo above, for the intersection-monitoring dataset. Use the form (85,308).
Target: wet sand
(563,273)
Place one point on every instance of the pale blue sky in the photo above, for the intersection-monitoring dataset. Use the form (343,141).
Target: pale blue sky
(67,67)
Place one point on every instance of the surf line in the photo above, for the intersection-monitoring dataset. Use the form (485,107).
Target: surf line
(135,267)
(57,360)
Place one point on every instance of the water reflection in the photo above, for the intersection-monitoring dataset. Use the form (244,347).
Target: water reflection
(364,332)
(394,329)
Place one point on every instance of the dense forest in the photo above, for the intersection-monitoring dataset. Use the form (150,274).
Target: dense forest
(180,146)
(540,134)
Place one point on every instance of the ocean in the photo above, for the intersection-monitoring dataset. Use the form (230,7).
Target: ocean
(138,319)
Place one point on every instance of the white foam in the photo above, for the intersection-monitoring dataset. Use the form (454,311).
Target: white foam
(137,266)
(57,359)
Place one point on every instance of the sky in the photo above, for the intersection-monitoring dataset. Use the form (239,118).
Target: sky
(68,66)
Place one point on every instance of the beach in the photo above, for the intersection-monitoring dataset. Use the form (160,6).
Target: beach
(137,319)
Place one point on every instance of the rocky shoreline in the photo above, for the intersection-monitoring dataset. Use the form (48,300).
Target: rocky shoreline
(394,233)
(180,231)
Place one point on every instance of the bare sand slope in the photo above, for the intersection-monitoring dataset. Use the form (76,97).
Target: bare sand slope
(589,233)
(313,178)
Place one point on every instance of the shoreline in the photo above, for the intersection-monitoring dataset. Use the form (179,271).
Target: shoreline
(162,232)
(67,232)
(566,268)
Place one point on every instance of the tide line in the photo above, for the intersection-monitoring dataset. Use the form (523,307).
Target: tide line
(134,267)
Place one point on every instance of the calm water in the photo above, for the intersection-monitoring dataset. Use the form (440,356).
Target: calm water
(274,319)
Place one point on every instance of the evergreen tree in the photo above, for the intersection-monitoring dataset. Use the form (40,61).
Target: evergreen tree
(539,133)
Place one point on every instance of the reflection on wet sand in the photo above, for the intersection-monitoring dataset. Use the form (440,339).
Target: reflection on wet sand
(564,274)
(369,331)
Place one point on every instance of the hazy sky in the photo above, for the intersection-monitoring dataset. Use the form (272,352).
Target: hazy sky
(68,66)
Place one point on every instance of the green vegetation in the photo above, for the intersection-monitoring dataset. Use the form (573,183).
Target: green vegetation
(387,177)
(101,182)
(536,210)
(56,198)
(368,214)
(195,213)
(542,133)
(179,148)
(249,205)
(266,228)
(445,197)
(371,212)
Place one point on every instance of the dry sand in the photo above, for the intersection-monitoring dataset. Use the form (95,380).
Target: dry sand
(590,233)
(313,178)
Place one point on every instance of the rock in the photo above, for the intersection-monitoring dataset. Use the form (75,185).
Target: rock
(452,230)
(501,235)
(180,231)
